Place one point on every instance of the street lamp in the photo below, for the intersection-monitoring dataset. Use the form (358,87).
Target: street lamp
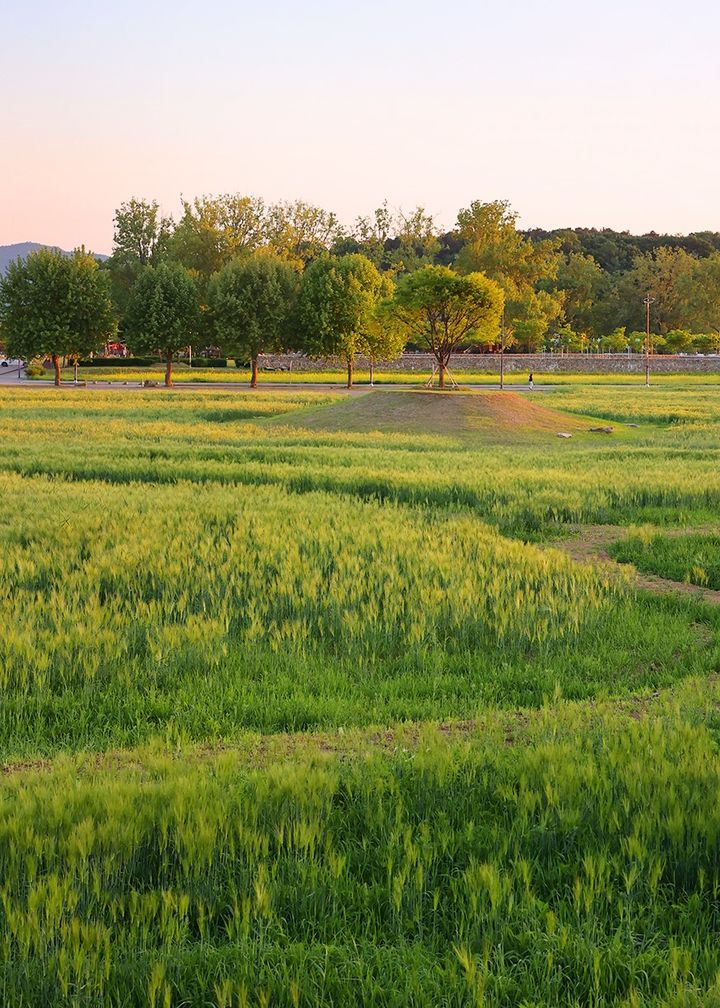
(502,351)
(647,301)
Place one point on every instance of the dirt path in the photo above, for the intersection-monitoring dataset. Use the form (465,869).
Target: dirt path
(503,727)
(591,546)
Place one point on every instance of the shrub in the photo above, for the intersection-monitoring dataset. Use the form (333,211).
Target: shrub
(209,362)
(115,362)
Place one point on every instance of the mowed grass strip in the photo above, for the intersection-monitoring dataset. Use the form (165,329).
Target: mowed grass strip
(385,376)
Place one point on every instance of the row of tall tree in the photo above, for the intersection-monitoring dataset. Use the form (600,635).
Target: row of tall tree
(249,277)
(342,306)
(575,288)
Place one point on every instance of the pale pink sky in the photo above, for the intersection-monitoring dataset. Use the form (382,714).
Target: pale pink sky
(578,113)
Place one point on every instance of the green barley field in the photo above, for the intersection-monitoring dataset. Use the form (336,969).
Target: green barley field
(312,699)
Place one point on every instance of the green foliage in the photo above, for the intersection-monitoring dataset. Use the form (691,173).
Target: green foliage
(213,230)
(592,281)
(253,303)
(163,314)
(583,284)
(445,311)
(210,362)
(618,340)
(565,338)
(54,305)
(615,251)
(693,559)
(118,362)
(699,291)
(661,275)
(523,269)
(141,238)
(300,232)
(141,234)
(338,310)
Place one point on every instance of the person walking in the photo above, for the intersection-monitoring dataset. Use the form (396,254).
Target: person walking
(531,383)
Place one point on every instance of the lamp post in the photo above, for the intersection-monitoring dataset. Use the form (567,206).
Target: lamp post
(647,301)
(502,351)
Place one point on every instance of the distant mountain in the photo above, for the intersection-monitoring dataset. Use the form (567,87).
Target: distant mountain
(10,252)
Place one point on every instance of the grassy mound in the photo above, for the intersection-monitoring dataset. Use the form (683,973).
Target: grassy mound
(460,414)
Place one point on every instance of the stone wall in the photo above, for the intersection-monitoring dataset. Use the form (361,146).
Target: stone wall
(545,363)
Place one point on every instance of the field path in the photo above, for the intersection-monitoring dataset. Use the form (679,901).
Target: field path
(591,544)
(514,726)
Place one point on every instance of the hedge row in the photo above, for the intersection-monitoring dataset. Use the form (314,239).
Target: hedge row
(135,362)
(114,362)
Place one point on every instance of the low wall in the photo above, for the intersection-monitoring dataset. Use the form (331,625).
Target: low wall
(546,363)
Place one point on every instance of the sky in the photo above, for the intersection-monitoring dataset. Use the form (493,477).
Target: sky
(578,113)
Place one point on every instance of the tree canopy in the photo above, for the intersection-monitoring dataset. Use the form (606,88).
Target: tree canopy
(571,289)
(163,315)
(446,310)
(253,303)
(55,306)
(338,310)
(213,230)
(525,270)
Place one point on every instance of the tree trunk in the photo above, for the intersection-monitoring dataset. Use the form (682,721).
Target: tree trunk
(253,371)
(372,372)
(168,370)
(441,373)
(56,365)
(350,372)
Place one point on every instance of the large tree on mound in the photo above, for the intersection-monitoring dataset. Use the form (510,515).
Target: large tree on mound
(339,311)
(253,301)
(163,314)
(446,310)
(56,306)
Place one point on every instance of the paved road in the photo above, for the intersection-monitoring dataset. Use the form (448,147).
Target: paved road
(115,386)
(11,374)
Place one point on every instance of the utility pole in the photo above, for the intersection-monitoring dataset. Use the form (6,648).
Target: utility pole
(647,301)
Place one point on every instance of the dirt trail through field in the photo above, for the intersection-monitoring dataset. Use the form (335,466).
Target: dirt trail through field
(504,727)
(591,546)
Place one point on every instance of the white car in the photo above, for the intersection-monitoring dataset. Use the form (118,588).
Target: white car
(10,363)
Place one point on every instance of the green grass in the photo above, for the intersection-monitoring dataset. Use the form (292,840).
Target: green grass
(693,559)
(182,373)
(189,579)
(204,610)
(518,477)
(578,866)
